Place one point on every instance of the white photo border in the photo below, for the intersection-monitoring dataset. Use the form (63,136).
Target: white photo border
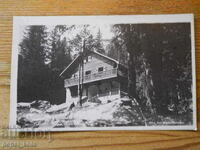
(112,19)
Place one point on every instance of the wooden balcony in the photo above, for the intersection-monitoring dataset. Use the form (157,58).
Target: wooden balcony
(92,77)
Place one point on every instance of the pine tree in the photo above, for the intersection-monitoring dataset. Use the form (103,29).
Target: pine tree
(60,53)
(98,43)
(59,57)
(32,69)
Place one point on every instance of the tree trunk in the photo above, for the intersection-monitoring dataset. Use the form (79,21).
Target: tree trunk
(131,49)
(131,76)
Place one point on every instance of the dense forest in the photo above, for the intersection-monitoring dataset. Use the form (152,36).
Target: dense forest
(158,57)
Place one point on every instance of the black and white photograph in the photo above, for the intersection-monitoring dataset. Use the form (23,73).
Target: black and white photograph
(129,72)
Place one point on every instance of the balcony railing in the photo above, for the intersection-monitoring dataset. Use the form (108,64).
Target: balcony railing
(92,77)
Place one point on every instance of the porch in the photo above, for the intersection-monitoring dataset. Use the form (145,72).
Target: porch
(92,77)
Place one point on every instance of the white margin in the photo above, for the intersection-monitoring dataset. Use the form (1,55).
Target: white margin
(114,19)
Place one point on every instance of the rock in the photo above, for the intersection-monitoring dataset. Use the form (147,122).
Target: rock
(108,101)
(33,110)
(57,108)
(60,124)
(40,104)
(95,100)
(24,122)
(128,102)
(23,105)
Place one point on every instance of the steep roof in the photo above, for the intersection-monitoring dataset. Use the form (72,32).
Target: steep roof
(89,52)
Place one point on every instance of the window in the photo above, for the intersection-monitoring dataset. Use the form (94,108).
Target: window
(88,72)
(100,69)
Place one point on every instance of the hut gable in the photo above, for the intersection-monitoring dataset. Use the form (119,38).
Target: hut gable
(94,62)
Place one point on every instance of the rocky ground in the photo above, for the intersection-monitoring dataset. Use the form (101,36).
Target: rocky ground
(40,114)
(119,112)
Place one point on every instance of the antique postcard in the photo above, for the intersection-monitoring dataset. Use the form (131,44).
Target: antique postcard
(129,72)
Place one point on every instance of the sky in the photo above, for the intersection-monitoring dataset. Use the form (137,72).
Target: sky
(105,31)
